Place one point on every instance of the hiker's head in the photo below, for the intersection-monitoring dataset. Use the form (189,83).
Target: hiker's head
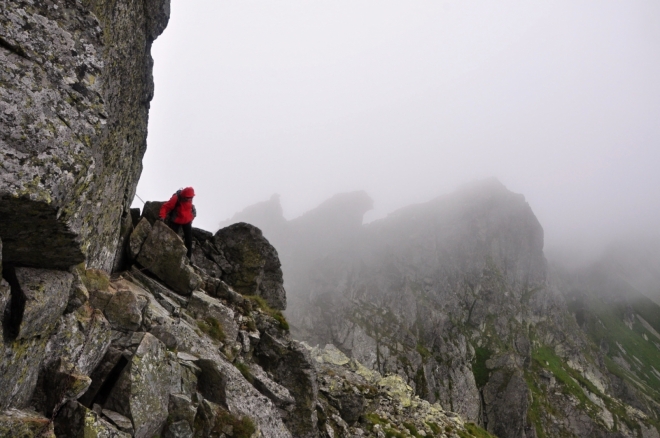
(187,194)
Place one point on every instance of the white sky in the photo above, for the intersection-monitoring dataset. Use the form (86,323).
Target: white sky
(409,99)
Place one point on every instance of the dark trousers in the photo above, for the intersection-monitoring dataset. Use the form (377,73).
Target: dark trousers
(187,235)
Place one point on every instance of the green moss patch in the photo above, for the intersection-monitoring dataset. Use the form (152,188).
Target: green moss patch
(479,369)
(245,371)
(241,427)
(93,279)
(213,328)
(263,305)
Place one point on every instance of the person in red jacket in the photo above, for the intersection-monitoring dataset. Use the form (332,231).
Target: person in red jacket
(179,212)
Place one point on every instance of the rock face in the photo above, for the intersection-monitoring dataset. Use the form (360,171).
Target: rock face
(75,87)
(164,254)
(241,257)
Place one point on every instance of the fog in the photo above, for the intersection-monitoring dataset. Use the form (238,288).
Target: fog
(409,100)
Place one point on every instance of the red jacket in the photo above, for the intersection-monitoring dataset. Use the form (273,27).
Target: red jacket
(184,210)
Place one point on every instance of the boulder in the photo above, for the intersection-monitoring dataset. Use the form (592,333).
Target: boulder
(138,236)
(39,297)
(290,364)
(151,211)
(164,254)
(255,265)
(71,158)
(203,307)
(81,340)
(124,310)
(142,391)
(122,423)
(179,429)
(277,393)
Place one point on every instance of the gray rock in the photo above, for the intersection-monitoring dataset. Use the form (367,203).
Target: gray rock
(72,157)
(19,370)
(122,423)
(25,424)
(255,265)
(151,211)
(180,429)
(506,400)
(274,391)
(181,408)
(124,310)
(138,236)
(203,306)
(142,391)
(164,254)
(41,298)
(291,366)
(75,420)
(165,336)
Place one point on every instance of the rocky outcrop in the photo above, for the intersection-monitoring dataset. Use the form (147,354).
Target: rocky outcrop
(75,87)
(240,256)
(356,401)
(164,254)
(129,355)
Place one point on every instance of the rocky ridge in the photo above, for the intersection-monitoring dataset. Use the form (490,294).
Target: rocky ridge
(145,353)
(455,296)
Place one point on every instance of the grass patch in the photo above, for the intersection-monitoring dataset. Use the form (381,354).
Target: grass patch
(437,430)
(605,324)
(474,431)
(412,429)
(546,358)
(242,427)
(393,433)
(263,305)
(423,351)
(479,369)
(212,327)
(245,370)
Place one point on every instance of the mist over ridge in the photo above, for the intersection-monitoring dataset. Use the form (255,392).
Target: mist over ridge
(558,100)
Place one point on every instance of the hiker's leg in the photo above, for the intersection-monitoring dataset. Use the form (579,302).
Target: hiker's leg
(175,227)
(187,238)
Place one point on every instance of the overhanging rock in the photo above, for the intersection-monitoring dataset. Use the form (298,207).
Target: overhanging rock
(75,86)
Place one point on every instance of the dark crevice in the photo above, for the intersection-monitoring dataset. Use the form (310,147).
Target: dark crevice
(13,312)
(102,396)
(13,49)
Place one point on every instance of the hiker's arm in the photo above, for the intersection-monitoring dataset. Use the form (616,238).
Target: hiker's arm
(167,207)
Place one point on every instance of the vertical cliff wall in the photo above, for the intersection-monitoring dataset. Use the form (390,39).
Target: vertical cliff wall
(75,87)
